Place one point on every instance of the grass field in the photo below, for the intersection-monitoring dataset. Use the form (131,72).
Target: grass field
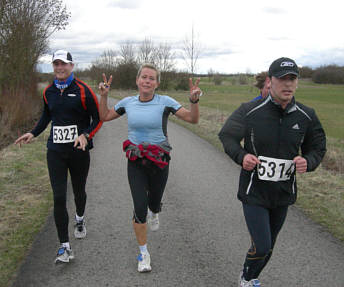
(26,199)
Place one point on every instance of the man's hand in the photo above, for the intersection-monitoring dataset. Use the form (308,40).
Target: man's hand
(249,162)
(300,164)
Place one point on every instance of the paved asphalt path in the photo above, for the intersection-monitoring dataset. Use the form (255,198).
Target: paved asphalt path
(202,240)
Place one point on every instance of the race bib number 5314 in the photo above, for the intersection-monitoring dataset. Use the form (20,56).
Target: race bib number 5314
(65,134)
(275,169)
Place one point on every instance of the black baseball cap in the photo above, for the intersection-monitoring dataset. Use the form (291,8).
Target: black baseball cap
(283,66)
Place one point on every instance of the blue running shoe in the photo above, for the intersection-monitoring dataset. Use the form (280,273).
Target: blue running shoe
(144,263)
(64,255)
(251,283)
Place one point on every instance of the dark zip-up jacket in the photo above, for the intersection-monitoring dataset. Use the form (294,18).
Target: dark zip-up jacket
(76,105)
(270,131)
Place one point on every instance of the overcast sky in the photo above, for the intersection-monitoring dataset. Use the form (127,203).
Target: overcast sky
(236,36)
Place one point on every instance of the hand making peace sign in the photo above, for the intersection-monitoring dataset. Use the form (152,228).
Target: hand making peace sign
(195,91)
(104,87)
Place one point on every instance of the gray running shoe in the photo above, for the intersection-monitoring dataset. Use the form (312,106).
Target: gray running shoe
(251,283)
(80,229)
(153,221)
(144,263)
(64,255)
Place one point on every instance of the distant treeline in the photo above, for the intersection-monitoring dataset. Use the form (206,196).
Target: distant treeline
(124,75)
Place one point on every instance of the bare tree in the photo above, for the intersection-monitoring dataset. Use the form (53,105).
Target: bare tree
(165,57)
(25,27)
(146,52)
(127,53)
(192,50)
(211,73)
(107,60)
(165,62)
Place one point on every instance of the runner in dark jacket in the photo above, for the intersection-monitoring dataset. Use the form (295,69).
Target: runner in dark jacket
(275,130)
(72,108)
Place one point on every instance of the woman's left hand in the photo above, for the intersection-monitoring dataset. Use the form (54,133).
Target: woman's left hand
(195,91)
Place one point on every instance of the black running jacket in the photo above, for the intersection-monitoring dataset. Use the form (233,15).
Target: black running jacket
(77,105)
(273,132)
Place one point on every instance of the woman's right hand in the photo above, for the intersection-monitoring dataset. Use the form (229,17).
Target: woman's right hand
(104,87)
(25,138)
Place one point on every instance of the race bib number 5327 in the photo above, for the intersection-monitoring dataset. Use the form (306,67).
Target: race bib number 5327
(65,134)
(275,169)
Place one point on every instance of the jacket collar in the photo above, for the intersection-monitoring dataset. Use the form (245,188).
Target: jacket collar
(291,107)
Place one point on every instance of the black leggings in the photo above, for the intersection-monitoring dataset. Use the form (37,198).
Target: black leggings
(263,225)
(147,185)
(77,162)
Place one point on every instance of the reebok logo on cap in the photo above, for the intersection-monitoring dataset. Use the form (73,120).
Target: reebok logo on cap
(283,66)
(287,64)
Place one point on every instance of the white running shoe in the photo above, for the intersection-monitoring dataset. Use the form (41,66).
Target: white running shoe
(153,220)
(80,229)
(251,283)
(64,255)
(144,262)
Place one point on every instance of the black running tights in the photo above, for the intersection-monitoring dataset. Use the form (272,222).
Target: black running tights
(147,185)
(263,225)
(77,162)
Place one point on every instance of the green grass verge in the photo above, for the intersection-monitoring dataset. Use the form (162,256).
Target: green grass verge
(25,201)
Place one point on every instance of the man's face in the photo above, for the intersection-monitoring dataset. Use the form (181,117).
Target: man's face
(283,89)
(62,70)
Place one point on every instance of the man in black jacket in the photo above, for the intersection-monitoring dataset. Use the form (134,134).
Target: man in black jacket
(274,130)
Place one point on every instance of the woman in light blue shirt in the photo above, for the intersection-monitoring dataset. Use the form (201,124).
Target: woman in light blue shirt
(147,147)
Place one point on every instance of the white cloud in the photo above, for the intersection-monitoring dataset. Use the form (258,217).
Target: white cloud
(125,4)
(236,35)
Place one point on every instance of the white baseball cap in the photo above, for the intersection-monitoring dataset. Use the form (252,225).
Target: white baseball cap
(62,55)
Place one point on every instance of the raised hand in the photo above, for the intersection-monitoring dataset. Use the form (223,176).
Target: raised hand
(104,87)
(195,91)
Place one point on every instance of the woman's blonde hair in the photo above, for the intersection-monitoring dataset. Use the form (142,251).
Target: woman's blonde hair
(149,66)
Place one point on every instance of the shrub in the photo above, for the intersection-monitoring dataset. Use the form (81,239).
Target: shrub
(19,109)
(182,81)
(125,76)
(166,80)
(217,78)
(331,74)
(306,72)
(243,80)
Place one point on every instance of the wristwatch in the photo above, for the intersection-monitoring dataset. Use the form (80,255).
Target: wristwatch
(87,136)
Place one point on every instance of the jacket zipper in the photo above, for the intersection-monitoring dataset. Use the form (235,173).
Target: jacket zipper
(250,183)
(256,154)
